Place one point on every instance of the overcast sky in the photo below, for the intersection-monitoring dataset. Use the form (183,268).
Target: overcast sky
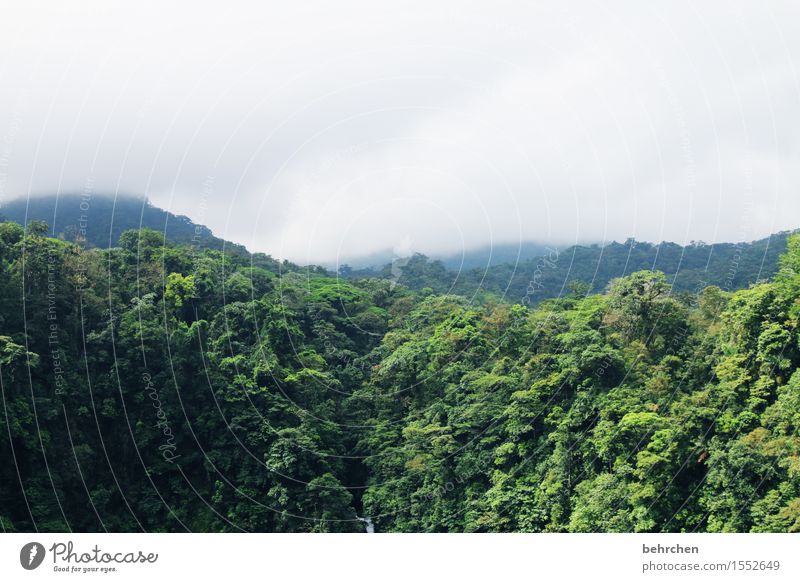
(313,131)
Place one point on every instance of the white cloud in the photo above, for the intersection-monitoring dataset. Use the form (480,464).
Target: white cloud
(340,129)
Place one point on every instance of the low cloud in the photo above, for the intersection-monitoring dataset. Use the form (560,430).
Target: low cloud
(333,131)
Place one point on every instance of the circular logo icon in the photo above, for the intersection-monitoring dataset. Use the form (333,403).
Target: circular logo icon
(31,555)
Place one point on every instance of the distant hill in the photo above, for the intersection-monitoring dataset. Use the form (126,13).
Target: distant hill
(591,268)
(540,273)
(481,257)
(104,218)
(491,255)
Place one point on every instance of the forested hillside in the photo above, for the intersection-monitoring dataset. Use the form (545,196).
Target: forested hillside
(554,273)
(98,221)
(163,387)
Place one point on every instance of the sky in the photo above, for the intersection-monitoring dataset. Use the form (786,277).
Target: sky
(320,131)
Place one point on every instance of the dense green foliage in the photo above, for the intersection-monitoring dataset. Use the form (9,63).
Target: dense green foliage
(530,280)
(164,387)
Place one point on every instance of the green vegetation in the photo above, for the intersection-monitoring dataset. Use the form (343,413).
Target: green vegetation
(165,387)
(555,272)
(99,221)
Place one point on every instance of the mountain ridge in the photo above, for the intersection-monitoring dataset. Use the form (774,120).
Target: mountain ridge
(100,219)
(534,278)
(590,268)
